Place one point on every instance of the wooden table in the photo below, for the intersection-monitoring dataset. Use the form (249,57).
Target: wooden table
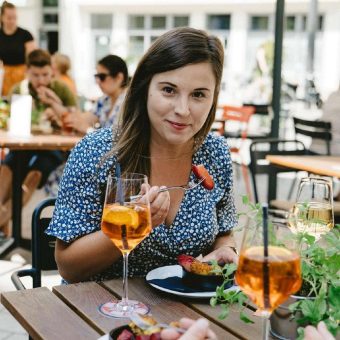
(319,165)
(19,145)
(71,311)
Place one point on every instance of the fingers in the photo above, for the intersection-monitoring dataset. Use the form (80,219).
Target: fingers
(199,330)
(159,205)
(325,334)
(223,254)
(311,333)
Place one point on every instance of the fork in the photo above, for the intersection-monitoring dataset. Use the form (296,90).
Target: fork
(185,187)
(141,323)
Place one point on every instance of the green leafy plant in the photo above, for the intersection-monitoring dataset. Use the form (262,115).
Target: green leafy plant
(320,263)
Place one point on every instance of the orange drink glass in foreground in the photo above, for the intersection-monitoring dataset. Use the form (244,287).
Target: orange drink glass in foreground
(126,220)
(269,268)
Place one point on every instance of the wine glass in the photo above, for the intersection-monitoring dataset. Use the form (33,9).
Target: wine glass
(269,266)
(313,210)
(126,220)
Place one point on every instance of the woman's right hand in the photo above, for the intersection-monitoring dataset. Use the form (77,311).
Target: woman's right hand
(159,205)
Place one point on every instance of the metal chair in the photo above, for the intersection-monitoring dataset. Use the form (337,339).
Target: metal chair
(259,149)
(316,129)
(42,248)
(241,115)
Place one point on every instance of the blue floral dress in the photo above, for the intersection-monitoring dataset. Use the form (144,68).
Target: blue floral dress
(203,215)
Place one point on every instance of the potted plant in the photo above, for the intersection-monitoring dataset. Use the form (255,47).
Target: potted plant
(319,297)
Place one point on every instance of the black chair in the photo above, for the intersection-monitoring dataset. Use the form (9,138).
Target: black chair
(316,129)
(259,149)
(42,248)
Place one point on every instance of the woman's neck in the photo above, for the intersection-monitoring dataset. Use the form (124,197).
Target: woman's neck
(115,95)
(158,150)
(8,31)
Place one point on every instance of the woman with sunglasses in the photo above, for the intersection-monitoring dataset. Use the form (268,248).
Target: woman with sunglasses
(112,78)
(166,118)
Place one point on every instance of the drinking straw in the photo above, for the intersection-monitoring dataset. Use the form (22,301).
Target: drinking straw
(265,253)
(120,195)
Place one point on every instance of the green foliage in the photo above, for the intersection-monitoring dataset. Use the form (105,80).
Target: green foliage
(320,265)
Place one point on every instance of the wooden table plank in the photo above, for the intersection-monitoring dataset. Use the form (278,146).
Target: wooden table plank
(35,308)
(320,165)
(165,307)
(233,322)
(84,299)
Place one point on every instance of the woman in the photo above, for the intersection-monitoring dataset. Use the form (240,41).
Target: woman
(61,65)
(15,44)
(166,118)
(112,78)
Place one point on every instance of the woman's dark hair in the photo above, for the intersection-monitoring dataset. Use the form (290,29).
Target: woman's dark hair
(115,65)
(174,49)
(5,5)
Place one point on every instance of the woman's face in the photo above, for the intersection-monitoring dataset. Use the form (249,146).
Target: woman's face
(9,19)
(108,84)
(179,102)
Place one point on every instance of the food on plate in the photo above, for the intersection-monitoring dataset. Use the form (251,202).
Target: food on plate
(133,332)
(202,173)
(192,265)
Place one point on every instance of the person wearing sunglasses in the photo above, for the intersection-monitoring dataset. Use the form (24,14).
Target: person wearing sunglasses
(112,78)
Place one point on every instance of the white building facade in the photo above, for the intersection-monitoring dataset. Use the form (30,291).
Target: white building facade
(90,29)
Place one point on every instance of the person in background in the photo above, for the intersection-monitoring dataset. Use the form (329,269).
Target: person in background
(15,44)
(169,108)
(61,65)
(54,98)
(112,77)
(331,113)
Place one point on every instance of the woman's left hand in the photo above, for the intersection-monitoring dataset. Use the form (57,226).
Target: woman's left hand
(224,254)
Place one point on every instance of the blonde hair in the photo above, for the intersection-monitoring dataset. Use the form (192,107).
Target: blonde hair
(62,62)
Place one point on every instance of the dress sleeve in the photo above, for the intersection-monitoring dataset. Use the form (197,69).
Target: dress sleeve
(225,208)
(79,205)
(27,36)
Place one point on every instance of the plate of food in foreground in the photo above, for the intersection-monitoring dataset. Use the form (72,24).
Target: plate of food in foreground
(191,278)
(141,327)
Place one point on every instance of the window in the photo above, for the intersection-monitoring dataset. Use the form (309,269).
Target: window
(259,23)
(181,21)
(50,18)
(136,45)
(136,22)
(143,30)
(101,21)
(50,3)
(158,22)
(290,23)
(319,23)
(218,22)
(102,46)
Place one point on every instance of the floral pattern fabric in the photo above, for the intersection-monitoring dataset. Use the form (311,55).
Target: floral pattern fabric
(203,215)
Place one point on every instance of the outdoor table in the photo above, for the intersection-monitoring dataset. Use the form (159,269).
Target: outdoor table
(319,165)
(71,311)
(20,145)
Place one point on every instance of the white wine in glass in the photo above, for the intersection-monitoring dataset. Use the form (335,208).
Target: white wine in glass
(313,210)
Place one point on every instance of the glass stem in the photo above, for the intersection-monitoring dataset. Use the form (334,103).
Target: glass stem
(125,279)
(265,328)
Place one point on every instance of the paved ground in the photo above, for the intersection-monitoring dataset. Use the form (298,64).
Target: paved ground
(9,327)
